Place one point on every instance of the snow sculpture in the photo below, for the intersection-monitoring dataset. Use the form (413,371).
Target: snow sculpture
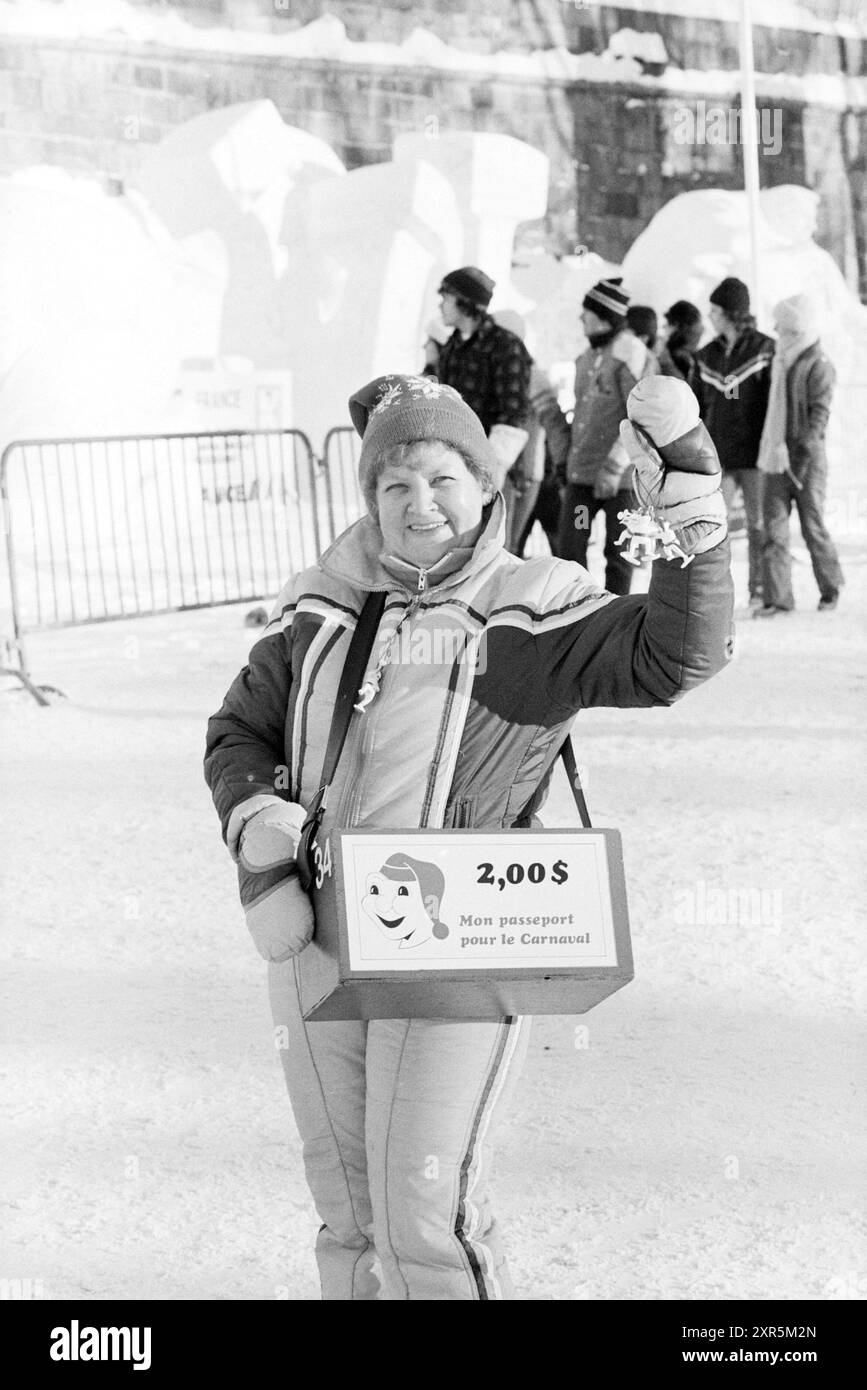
(332,276)
(243,175)
(498,182)
(90,339)
(359,283)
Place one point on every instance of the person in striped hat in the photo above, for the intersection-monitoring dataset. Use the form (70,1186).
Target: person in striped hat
(598,475)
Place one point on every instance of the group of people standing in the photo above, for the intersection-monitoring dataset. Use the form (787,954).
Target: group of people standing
(765,403)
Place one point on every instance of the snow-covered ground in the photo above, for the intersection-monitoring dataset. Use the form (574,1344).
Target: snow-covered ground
(699,1135)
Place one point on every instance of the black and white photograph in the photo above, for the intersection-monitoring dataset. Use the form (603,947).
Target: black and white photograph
(433,463)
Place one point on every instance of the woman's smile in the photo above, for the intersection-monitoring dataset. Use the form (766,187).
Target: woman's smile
(428,504)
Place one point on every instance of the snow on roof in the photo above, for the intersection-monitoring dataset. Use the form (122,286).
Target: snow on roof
(326,38)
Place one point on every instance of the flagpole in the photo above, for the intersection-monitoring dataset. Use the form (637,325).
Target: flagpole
(750,142)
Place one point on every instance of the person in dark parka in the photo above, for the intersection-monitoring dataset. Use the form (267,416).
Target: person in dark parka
(734,380)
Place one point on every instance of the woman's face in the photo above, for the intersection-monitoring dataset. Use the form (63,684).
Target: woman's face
(429,504)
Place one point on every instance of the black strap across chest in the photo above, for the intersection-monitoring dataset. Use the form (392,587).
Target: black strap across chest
(347,693)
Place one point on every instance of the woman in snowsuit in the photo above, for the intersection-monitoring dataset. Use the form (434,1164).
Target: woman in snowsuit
(396,1115)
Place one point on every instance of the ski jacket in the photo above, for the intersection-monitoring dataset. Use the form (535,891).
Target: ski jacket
(488,666)
(809,388)
(733,394)
(604,376)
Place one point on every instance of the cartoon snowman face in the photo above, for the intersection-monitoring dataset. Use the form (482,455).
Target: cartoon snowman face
(397,909)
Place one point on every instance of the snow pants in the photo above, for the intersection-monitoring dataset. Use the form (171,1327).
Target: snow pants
(396,1118)
(547,512)
(780,493)
(751,483)
(574,535)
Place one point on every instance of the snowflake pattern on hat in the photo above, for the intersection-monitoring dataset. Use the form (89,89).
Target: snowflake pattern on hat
(395,389)
(387,396)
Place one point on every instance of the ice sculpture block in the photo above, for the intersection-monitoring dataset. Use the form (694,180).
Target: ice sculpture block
(372,241)
(498,182)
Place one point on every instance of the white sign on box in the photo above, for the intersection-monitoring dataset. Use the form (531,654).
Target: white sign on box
(477,901)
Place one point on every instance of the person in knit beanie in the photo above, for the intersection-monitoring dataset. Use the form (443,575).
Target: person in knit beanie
(733,297)
(472,665)
(609,301)
(683,327)
(392,412)
(486,363)
(734,374)
(793,461)
(598,475)
(642,320)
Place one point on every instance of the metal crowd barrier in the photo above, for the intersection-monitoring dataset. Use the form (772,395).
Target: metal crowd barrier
(101,529)
(340,454)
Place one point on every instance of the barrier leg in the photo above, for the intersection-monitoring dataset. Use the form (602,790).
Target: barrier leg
(40,693)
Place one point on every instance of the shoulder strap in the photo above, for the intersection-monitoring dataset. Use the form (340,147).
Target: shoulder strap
(567,753)
(347,691)
(350,680)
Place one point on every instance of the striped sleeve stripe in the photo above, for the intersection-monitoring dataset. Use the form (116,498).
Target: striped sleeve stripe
(319,650)
(280,622)
(459,606)
(320,602)
(725,383)
(468,621)
(528,621)
(334,613)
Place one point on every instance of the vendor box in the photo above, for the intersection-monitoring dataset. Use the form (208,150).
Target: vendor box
(466,924)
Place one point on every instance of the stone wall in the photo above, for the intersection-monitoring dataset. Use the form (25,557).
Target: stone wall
(615,158)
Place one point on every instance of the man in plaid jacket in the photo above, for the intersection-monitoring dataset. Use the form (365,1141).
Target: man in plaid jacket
(486,364)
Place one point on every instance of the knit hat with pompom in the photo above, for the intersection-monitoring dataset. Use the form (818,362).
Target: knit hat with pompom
(406,409)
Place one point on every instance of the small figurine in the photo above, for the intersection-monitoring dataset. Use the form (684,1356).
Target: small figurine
(648,538)
(676,475)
